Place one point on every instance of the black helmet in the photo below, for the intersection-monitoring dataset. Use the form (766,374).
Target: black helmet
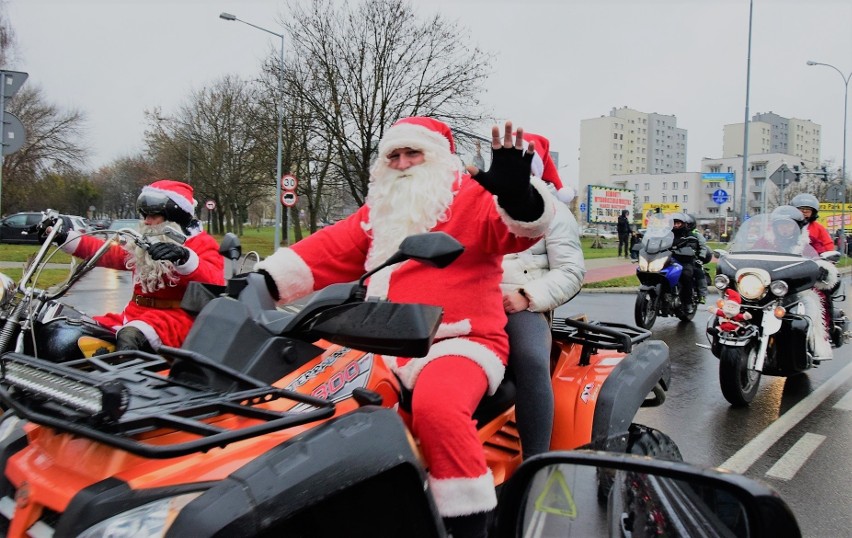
(681,231)
(788,212)
(806,200)
(171,199)
(689,222)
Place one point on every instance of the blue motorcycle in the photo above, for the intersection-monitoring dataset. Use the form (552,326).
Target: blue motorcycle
(660,275)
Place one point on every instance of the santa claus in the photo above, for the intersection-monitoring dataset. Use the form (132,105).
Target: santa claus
(160,274)
(730,317)
(417,184)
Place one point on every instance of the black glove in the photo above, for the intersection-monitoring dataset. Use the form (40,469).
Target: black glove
(176,254)
(42,229)
(509,180)
(270,285)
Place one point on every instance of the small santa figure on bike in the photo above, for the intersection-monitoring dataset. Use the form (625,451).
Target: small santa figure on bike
(729,311)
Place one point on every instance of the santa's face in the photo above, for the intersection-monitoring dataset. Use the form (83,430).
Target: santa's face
(731,308)
(404,158)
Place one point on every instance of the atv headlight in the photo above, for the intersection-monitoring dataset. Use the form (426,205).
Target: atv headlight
(7,289)
(721,282)
(149,520)
(752,283)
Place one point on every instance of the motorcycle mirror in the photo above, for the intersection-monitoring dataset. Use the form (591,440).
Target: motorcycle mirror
(720,252)
(832,256)
(586,493)
(174,235)
(230,247)
(437,249)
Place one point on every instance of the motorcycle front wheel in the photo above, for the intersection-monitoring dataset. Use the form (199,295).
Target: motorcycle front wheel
(645,311)
(739,383)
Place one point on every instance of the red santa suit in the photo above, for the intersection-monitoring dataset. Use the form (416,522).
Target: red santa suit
(157,313)
(471,343)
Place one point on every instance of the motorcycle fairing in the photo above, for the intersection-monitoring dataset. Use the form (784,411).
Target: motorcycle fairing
(799,273)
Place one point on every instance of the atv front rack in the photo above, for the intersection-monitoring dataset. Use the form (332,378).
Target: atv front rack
(128,401)
(593,336)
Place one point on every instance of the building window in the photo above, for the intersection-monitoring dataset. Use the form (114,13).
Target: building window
(674,185)
(674,197)
(647,186)
(665,185)
(647,199)
(685,198)
(665,198)
(685,185)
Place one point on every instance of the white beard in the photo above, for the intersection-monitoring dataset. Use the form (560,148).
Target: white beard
(152,275)
(405,203)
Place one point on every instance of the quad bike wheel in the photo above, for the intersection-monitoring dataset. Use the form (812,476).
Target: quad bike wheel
(645,311)
(739,384)
(642,441)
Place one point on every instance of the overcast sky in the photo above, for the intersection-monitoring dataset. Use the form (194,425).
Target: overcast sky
(556,62)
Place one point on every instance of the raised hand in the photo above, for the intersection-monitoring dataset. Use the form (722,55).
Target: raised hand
(509,174)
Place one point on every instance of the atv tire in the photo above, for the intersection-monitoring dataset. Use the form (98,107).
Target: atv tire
(642,441)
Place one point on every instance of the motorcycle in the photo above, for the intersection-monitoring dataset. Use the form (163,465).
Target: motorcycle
(660,274)
(780,330)
(267,420)
(33,320)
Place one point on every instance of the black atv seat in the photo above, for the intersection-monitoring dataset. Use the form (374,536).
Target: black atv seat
(490,406)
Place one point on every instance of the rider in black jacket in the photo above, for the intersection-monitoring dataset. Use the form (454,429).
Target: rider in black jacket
(685,252)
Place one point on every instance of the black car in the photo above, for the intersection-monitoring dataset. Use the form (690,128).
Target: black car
(100,224)
(21,227)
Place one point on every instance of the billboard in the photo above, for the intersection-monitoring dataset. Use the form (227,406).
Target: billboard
(831,213)
(606,204)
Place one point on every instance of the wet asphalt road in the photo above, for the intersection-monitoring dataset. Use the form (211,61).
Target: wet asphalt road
(707,429)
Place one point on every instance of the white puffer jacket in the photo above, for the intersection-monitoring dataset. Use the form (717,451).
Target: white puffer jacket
(551,271)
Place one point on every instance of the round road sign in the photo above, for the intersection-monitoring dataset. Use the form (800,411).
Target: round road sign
(289,198)
(289,182)
(210,204)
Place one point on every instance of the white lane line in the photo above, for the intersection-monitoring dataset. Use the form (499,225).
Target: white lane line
(790,463)
(845,403)
(754,449)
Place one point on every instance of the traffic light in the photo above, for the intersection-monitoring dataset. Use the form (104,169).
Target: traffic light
(824,174)
(797,175)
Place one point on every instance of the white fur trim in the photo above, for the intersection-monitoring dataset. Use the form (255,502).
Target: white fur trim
(537,165)
(817,334)
(566,194)
(452,330)
(186,205)
(481,355)
(291,274)
(463,496)
(410,135)
(190,265)
(831,279)
(536,228)
(148,331)
(71,242)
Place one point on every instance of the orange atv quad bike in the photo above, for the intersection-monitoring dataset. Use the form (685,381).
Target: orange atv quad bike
(251,428)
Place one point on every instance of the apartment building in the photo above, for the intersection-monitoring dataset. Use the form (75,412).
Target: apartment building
(770,133)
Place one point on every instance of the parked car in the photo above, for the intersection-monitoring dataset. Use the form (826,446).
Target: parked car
(118,224)
(20,227)
(99,224)
(603,233)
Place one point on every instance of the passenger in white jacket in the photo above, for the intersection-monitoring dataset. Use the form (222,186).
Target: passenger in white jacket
(535,282)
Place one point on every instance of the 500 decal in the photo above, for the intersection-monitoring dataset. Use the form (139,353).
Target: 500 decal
(342,383)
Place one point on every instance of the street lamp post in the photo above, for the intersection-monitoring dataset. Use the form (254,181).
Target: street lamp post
(229,17)
(845,109)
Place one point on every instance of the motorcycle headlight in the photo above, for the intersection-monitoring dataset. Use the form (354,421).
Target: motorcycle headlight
(643,263)
(779,288)
(752,284)
(149,520)
(721,282)
(7,290)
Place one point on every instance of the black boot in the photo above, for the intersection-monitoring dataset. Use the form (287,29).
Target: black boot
(469,526)
(131,338)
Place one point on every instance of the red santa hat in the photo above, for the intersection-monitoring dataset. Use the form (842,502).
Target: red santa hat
(178,192)
(418,132)
(543,167)
(733,295)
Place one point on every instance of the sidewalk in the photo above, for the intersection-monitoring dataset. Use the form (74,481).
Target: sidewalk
(598,269)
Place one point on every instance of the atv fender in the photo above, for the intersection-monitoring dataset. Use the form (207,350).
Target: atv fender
(624,390)
(356,475)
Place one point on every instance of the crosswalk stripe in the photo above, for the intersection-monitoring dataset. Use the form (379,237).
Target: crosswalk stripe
(790,463)
(845,403)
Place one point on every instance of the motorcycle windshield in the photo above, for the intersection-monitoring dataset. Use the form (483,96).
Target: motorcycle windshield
(779,235)
(658,235)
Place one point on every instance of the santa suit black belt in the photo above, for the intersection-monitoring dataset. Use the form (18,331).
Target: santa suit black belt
(153,302)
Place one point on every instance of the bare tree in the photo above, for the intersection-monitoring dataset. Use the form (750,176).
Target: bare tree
(119,185)
(360,68)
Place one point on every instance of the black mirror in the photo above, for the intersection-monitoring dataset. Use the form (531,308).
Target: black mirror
(584,493)
(230,247)
(437,249)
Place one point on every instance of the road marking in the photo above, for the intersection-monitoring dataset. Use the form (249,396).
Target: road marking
(790,463)
(845,403)
(754,449)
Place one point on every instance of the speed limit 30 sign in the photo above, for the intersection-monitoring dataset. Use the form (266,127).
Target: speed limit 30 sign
(289,182)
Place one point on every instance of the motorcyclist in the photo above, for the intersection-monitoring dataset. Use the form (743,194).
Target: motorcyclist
(819,237)
(153,316)
(704,256)
(686,250)
(787,224)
